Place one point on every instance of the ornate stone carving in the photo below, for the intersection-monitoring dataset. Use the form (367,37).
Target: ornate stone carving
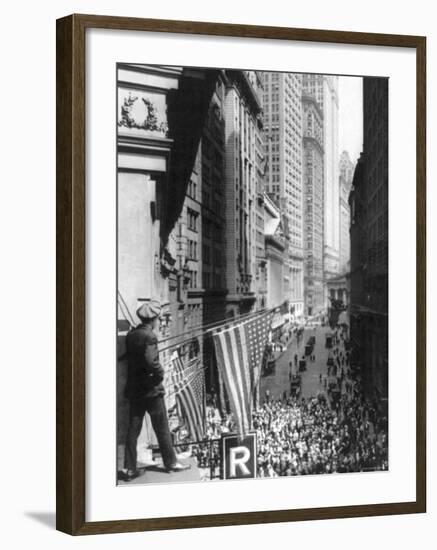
(150,121)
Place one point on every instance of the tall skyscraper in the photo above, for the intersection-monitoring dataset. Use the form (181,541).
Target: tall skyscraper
(313,199)
(211,196)
(283,142)
(198,240)
(260,165)
(242,109)
(325,89)
(331,195)
(346,170)
(346,167)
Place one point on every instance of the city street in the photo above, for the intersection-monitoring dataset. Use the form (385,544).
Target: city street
(279,381)
(220,281)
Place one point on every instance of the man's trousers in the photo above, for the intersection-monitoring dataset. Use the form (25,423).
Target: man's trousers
(155,406)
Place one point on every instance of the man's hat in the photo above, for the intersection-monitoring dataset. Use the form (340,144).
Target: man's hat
(149,310)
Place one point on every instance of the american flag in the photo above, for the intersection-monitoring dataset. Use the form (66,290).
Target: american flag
(189,384)
(257,332)
(239,351)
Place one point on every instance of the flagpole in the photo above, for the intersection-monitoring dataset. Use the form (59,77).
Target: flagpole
(217,324)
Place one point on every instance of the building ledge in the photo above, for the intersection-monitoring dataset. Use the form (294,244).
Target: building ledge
(214,292)
(357,309)
(195,292)
(248,296)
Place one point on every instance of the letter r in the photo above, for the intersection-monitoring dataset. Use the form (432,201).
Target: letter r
(238,458)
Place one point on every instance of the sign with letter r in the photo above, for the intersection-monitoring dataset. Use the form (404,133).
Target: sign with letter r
(238,456)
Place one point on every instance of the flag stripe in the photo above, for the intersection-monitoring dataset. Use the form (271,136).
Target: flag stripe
(239,353)
(188,415)
(245,373)
(190,411)
(226,370)
(191,406)
(246,365)
(236,379)
(190,394)
(236,373)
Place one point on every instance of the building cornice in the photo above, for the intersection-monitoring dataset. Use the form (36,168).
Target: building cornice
(215,292)
(275,242)
(311,99)
(241,79)
(314,141)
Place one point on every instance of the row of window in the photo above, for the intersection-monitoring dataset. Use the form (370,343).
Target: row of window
(192,217)
(192,189)
(213,230)
(193,278)
(206,251)
(211,153)
(378,200)
(192,249)
(378,228)
(212,280)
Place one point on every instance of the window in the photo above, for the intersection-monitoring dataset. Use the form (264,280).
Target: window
(206,280)
(192,216)
(217,257)
(192,250)
(192,189)
(193,279)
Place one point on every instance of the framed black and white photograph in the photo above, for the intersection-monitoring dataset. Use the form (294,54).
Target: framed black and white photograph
(241,274)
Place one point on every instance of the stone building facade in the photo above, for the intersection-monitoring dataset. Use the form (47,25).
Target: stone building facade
(313,165)
(283,142)
(161,115)
(242,109)
(346,172)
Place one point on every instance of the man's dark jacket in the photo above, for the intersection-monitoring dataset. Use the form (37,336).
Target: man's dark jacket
(145,374)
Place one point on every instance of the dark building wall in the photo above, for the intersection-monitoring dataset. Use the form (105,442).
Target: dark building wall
(241,129)
(212,197)
(369,243)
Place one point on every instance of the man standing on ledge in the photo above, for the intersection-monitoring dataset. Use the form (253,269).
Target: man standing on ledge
(145,391)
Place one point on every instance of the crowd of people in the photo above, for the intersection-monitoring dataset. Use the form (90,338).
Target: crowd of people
(337,430)
(308,436)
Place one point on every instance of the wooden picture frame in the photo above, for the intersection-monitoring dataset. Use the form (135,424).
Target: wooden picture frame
(71,253)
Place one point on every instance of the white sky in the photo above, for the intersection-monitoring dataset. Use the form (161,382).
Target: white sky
(350,92)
